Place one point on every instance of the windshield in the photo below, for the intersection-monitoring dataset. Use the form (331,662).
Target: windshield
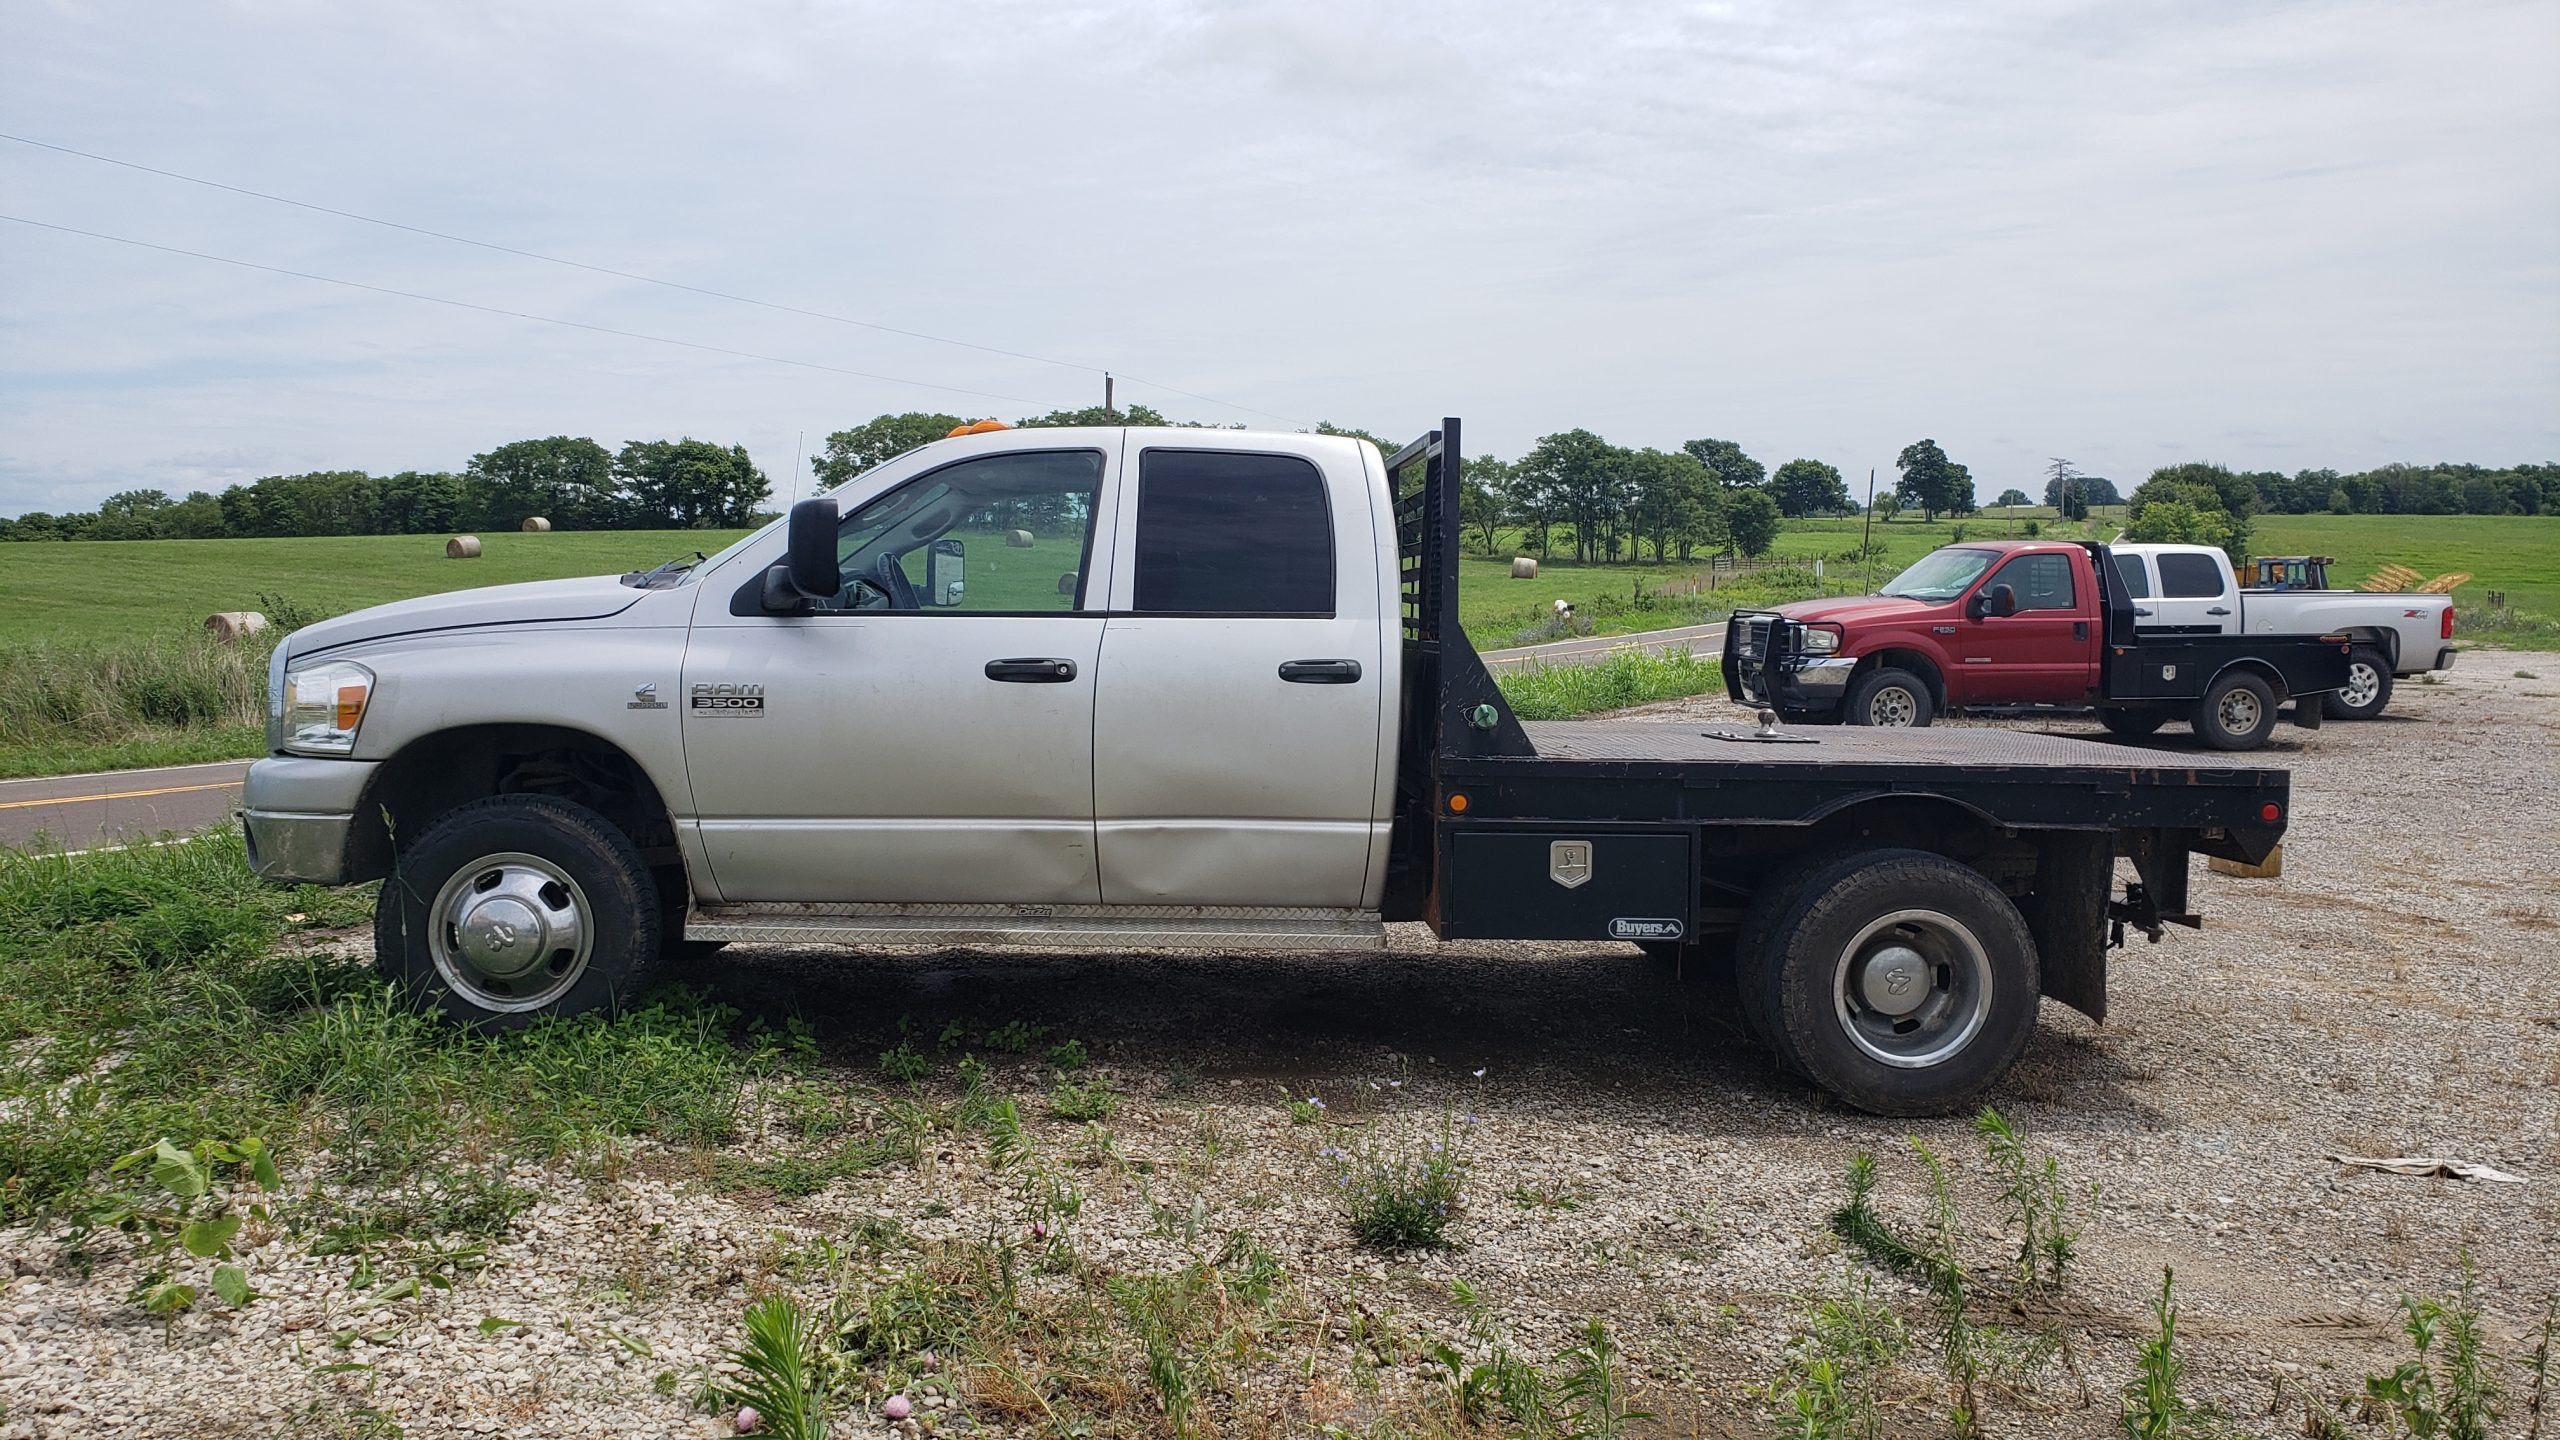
(1940,575)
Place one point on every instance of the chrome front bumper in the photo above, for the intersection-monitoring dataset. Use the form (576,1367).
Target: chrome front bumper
(298,813)
(1816,685)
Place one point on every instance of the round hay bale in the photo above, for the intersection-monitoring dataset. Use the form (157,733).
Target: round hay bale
(462,547)
(535,525)
(1017,539)
(1067,583)
(1523,568)
(229,625)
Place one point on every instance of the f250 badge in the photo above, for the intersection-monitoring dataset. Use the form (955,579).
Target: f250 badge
(741,700)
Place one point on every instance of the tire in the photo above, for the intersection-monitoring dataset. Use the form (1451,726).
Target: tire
(1889,697)
(1758,950)
(2238,712)
(530,871)
(2368,686)
(2132,724)
(1841,951)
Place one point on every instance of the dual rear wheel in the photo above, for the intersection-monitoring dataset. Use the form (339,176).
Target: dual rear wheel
(1898,980)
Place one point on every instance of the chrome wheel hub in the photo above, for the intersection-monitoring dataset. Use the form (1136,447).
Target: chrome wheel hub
(2238,712)
(1892,705)
(1913,988)
(2363,683)
(510,932)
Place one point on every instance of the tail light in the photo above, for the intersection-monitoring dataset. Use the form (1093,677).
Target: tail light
(2448,620)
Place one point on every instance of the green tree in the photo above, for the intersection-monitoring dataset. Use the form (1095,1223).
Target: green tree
(2204,487)
(2013,496)
(1725,461)
(1887,506)
(1752,518)
(1484,500)
(412,503)
(1578,479)
(1385,445)
(1933,482)
(1671,500)
(566,481)
(1809,487)
(2181,522)
(689,484)
(1096,415)
(848,453)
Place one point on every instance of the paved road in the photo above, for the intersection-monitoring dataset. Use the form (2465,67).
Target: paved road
(76,812)
(1702,638)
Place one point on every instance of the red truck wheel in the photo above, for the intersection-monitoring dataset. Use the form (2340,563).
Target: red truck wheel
(1889,697)
(2238,712)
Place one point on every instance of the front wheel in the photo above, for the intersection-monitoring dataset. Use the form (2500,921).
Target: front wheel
(2238,712)
(2368,686)
(1889,697)
(1898,980)
(517,907)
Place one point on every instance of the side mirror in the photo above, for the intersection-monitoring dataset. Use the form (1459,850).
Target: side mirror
(945,564)
(808,568)
(1998,600)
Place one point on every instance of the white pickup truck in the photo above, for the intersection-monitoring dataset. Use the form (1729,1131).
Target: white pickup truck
(2192,590)
(1155,688)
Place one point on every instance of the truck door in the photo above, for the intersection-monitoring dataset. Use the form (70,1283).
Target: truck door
(2196,595)
(1236,730)
(927,734)
(2042,652)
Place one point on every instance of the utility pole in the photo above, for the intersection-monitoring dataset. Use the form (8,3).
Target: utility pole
(1867,536)
(1108,413)
(797,446)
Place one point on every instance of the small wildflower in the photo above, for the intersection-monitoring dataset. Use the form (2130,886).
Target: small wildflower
(1480,1072)
(1316,1101)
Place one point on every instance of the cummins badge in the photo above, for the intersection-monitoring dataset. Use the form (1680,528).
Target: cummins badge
(1569,863)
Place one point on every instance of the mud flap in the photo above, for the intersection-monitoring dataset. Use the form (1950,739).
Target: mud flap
(2067,915)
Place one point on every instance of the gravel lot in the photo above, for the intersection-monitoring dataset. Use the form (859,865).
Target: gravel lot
(2394,993)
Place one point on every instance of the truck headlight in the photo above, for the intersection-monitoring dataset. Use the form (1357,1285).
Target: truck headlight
(1820,642)
(323,705)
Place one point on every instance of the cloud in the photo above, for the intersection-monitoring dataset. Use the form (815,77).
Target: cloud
(2313,233)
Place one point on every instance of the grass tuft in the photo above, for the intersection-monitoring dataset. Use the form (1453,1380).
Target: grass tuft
(1626,677)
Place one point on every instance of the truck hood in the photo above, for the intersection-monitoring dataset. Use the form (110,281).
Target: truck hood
(535,602)
(1855,609)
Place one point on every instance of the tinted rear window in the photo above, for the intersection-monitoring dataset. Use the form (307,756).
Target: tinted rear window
(2189,577)
(2136,583)
(1225,533)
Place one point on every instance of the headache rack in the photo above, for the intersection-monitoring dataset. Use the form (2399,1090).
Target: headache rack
(1452,708)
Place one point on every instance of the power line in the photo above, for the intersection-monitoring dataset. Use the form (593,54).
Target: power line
(630,275)
(513,314)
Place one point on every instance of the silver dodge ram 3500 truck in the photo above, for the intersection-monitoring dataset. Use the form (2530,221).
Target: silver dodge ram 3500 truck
(1144,688)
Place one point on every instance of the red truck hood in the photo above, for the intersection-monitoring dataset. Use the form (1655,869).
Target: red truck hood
(1854,609)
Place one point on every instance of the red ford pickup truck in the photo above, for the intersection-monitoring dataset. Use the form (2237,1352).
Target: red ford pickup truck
(2013,624)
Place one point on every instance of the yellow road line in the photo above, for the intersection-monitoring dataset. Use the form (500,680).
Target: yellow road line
(117,795)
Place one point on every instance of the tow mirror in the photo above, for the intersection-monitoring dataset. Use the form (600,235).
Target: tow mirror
(945,563)
(808,568)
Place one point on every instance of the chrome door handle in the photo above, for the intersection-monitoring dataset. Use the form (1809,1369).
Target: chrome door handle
(1032,672)
(1320,672)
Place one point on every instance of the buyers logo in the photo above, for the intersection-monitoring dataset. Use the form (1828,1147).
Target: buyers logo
(746,700)
(1626,929)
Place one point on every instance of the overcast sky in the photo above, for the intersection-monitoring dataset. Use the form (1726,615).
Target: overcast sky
(2274,235)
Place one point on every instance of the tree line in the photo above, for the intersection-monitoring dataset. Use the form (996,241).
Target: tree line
(576,484)
(1573,493)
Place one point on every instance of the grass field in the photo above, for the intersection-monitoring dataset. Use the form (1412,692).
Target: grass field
(107,590)
(2519,554)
